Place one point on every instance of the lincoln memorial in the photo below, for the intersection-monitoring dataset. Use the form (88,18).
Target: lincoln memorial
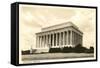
(58,36)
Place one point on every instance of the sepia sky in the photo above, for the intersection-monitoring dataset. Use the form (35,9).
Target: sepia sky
(32,18)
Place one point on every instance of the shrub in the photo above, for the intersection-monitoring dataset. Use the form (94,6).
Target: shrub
(79,49)
(90,50)
(54,50)
(67,49)
(26,52)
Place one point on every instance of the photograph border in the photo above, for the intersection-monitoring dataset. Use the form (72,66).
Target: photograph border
(15,32)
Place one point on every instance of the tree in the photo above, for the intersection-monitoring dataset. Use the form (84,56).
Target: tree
(91,50)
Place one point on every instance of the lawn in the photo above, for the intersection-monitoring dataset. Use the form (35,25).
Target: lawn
(55,56)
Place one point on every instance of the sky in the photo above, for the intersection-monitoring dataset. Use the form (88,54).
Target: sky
(34,17)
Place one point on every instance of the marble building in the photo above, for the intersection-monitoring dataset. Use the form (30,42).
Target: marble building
(58,36)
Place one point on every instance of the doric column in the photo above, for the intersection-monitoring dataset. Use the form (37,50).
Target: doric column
(76,39)
(53,40)
(50,40)
(39,41)
(43,40)
(66,37)
(46,41)
(70,37)
(56,39)
(73,37)
(36,41)
(81,40)
(63,38)
(59,39)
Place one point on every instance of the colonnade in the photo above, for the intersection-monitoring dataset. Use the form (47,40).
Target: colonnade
(67,38)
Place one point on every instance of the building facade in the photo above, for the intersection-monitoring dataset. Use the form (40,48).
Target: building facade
(58,36)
